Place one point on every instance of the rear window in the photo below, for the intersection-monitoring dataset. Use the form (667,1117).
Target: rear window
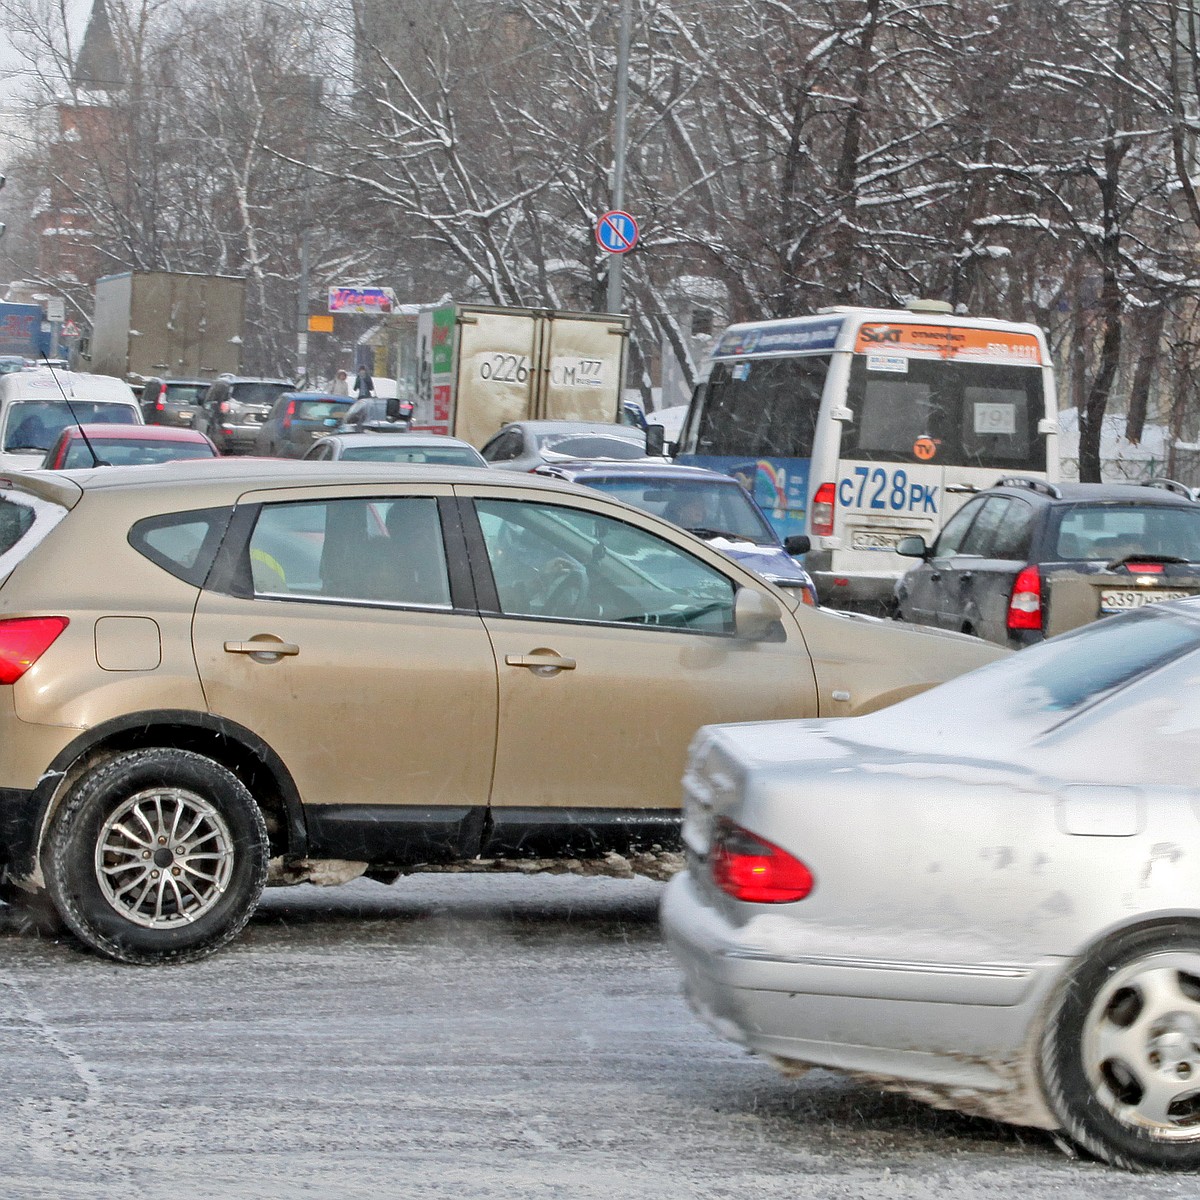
(185,393)
(130,453)
(24,521)
(445,456)
(183,543)
(318,410)
(1095,533)
(258,393)
(592,446)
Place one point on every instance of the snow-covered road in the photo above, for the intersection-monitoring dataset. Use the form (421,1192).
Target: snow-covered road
(451,1036)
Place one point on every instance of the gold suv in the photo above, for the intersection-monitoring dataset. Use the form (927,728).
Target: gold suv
(218,670)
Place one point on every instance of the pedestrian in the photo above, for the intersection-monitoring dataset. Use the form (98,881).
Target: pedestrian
(364,385)
(341,384)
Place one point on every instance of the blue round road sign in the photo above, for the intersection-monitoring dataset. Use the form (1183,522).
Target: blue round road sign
(617,232)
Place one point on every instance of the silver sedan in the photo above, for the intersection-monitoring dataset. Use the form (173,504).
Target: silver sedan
(987,896)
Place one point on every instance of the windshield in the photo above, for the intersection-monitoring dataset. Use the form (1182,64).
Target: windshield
(710,508)
(36,424)
(590,445)
(446,456)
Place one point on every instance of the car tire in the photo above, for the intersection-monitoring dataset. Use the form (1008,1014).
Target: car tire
(1121,1050)
(121,886)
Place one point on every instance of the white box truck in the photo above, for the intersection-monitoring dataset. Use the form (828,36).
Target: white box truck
(480,367)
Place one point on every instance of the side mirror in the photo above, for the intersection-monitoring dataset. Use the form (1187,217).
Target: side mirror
(755,614)
(797,544)
(655,440)
(912,546)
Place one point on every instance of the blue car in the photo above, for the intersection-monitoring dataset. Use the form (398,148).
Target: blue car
(713,506)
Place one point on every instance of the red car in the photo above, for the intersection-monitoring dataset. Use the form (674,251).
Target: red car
(125,446)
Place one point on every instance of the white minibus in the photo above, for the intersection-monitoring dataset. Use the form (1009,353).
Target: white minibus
(860,426)
(35,406)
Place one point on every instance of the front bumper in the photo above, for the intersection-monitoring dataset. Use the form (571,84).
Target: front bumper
(956,1034)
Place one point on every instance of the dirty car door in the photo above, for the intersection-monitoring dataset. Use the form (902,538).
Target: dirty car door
(613,646)
(339,632)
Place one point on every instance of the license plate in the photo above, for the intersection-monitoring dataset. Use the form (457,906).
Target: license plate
(1114,600)
(871,539)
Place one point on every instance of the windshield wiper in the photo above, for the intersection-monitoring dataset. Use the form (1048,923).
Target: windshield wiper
(705,531)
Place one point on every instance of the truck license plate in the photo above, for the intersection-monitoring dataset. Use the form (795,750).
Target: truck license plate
(1114,600)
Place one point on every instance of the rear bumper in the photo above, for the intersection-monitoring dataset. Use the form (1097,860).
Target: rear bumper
(954,1033)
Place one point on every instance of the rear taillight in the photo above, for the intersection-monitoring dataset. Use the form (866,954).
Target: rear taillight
(161,403)
(288,414)
(752,869)
(223,407)
(822,511)
(1025,605)
(23,640)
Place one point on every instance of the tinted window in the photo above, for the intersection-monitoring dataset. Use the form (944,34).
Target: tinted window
(130,453)
(591,446)
(762,407)
(1105,533)
(1015,535)
(975,414)
(504,447)
(184,543)
(1073,669)
(185,393)
(257,393)
(319,410)
(381,550)
(982,536)
(956,529)
(552,561)
(447,456)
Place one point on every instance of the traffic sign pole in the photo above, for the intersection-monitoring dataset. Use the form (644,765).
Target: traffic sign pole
(618,192)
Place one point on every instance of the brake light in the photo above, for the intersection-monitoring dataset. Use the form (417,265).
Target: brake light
(23,640)
(288,414)
(161,402)
(223,406)
(752,869)
(822,511)
(1025,605)
(1144,568)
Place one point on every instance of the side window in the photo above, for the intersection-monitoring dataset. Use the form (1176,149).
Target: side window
(374,551)
(982,538)
(565,563)
(1015,534)
(956,529)
(503,448)
(184,543)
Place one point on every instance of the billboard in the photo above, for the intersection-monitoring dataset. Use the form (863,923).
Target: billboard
(361,300)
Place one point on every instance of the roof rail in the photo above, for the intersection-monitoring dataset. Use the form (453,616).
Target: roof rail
(1169,485)
(1034,485)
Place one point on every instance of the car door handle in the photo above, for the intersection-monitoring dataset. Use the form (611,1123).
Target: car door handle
(935,576)
(263,648)
(553,661)
(967,576)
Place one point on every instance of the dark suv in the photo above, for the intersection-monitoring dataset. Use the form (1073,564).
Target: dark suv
(1027,559)
(234,409)
(173,402)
